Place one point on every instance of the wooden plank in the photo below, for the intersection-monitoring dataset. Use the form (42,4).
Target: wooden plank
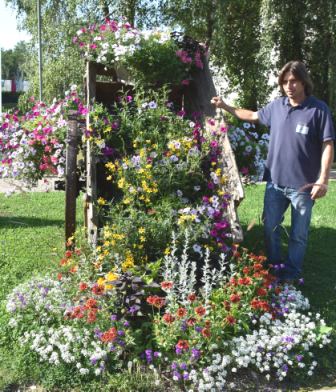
(71,178)
(233,184)
(90,198)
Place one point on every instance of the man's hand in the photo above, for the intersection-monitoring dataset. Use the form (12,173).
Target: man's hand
(218,102)
(242,114)
(319,190)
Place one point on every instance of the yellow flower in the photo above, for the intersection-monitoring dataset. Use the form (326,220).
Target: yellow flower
(142,238)
(101,201)
(141,230)
(129,262)
(107,129)
(167,251)
(121,183)
(111,276)
(101,282)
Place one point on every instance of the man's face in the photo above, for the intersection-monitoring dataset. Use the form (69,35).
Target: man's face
(294,88)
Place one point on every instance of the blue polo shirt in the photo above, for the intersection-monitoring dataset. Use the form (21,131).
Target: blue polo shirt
(296,137)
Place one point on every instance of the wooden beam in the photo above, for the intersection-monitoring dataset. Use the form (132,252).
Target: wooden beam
(71,178)
(91,215)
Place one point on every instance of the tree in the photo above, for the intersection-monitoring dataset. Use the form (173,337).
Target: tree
(13,61)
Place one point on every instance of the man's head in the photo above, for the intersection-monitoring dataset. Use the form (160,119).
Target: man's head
(295,71)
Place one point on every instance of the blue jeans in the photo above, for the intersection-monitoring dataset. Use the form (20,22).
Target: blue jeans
(276,201)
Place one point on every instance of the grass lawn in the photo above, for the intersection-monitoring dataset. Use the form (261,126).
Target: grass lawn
(31,235)
(32,241)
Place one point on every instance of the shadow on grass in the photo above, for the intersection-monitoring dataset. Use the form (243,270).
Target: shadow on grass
(23,221)
(319,274)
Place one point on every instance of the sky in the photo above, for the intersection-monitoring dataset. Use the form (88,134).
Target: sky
(9,33)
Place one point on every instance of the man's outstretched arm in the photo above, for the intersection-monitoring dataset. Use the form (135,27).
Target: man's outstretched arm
(242,114)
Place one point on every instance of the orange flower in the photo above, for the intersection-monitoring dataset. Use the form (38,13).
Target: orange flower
(110,335)
(206,332)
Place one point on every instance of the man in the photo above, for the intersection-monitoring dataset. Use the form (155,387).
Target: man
(301,152)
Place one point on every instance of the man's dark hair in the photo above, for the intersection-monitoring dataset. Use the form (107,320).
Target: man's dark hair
(299,70)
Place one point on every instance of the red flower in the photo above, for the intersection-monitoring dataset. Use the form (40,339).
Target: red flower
(168,318)
(277,290)
(91,303)
(234,298)
(261,292)
(192,297)
(182,345)
(109,335)
(59,276)
(207,323)
(68,254)
(156,301)
(227,305)
(64,262)
(257,267)
(82,286)
(233,282)
(200,311)
(230,320)
(74,269)
(77,312)
(92,315)
(191,321)
(254,303)
(166,285)
(246,270)
(206,332)
(181,312)
(244,281)
(98,289)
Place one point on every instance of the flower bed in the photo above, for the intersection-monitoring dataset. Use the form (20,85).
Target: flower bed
(151,57)
(33,145)
(165,289)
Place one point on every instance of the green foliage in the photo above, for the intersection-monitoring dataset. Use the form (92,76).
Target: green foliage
(13,61)
(156,63)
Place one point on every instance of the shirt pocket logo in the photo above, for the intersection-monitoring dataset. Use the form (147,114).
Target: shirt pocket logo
(302,128)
